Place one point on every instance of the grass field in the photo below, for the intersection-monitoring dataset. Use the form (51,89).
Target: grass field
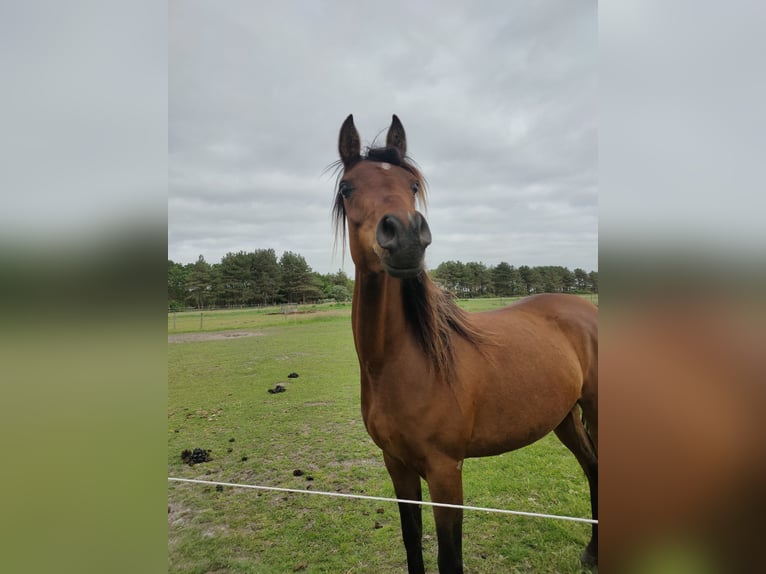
(217,391)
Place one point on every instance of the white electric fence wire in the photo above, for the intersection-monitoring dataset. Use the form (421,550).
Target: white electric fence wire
(382,499)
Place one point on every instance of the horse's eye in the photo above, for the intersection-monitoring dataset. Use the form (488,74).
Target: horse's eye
(345,189)
(415,187)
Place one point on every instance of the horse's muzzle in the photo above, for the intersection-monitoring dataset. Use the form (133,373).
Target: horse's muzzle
(404,245)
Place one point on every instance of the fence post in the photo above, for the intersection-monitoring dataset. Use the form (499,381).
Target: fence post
(200,320)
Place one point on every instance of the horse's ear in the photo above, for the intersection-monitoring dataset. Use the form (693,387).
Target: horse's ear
(396,137)
(349,145)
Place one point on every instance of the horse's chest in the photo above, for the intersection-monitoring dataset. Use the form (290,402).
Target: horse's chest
(382,425)
(380,431)
(388,422)
(395,441)
(408,425)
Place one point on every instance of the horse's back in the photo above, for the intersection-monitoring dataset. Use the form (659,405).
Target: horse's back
(553,303)
(574,316)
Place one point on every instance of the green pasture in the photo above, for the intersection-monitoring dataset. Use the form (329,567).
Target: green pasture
(217,391)
(254,318)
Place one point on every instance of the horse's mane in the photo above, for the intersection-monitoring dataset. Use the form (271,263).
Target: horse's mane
(435,319)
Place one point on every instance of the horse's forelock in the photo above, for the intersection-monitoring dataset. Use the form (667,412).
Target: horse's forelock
(390,155)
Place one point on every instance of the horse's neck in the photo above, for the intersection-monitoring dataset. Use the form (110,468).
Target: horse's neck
(378,318)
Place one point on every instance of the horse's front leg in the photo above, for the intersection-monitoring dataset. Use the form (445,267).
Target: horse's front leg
(445,483)
(407,486)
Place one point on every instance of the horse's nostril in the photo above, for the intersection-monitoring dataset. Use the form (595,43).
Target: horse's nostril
(424,232)
(386,233)
(425,235)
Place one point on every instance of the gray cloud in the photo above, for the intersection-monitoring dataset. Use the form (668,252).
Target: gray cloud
(499,104)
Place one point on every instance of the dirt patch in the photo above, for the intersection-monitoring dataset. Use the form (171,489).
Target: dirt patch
(213,336)
(179,515)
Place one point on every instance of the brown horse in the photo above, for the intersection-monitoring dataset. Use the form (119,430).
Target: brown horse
(439,384)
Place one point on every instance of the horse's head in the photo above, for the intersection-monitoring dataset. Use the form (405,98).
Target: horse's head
(377,196)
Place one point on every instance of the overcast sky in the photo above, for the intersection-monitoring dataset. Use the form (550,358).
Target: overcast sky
(498,100)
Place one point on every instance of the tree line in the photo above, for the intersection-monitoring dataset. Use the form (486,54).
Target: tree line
(252,278)
(474,279)
(260,278)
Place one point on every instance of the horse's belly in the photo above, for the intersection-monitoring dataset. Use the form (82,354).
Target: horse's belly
(511,421)
(504,441)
